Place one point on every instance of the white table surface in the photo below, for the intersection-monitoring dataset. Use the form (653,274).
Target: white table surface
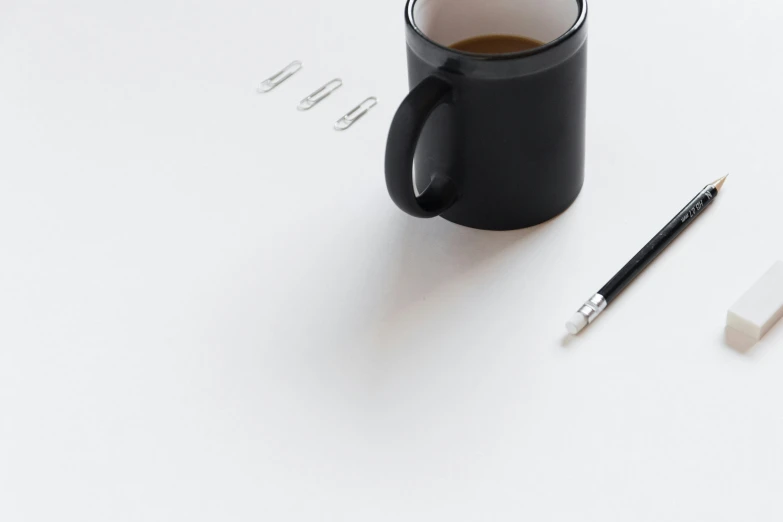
(211,310)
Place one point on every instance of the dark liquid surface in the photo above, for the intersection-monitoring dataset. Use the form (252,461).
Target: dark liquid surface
(496,44)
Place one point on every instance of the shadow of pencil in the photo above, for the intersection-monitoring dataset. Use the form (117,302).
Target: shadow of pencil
(567,340)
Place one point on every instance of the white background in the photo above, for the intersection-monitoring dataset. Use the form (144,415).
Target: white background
(211,310)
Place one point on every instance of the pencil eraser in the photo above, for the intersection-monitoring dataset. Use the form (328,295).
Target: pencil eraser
(761,306)
(576,324)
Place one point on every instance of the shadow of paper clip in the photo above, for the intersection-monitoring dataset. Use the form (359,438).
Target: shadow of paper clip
(355,114)
(273,81)
(319,95)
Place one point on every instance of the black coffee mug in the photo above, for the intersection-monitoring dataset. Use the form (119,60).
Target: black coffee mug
(498,139)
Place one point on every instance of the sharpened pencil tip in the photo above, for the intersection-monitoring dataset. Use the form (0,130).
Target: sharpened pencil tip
(718,183)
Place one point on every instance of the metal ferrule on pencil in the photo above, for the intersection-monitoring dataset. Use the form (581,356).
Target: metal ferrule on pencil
(587,314)
(592,307)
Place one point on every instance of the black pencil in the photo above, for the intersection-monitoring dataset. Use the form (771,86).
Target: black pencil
(598,303)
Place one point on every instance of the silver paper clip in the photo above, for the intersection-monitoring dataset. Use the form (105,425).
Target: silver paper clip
(273,81)
(355,113)
(315,98)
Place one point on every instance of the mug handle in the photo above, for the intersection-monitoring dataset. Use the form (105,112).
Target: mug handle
(406,127)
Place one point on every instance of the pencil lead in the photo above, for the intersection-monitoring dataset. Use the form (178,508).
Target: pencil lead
(718,183)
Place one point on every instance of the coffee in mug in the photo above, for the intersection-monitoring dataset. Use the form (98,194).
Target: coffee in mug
(496,44)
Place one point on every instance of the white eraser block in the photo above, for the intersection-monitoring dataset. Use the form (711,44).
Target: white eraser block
(761,307)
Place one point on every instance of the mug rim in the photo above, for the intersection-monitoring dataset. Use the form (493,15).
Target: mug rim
(578,23)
